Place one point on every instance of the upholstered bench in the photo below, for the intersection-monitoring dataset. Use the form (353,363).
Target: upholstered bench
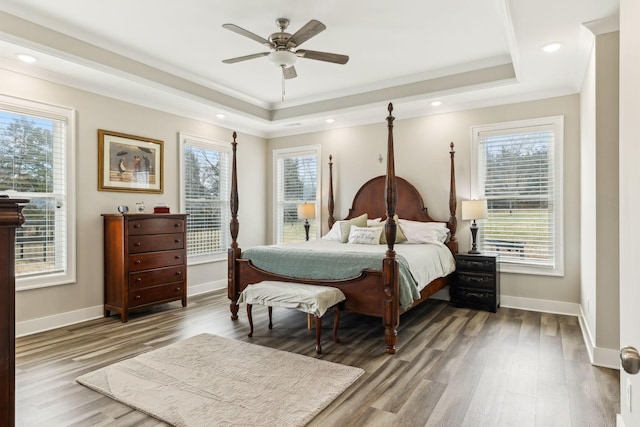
(310,299)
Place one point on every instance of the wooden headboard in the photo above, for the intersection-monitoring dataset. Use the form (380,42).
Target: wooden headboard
(370,200)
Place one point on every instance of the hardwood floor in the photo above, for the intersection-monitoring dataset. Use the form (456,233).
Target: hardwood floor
(454,367)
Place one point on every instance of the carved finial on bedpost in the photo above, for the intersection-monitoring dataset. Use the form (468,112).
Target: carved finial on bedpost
(453,221)
(331,203)
(234,225)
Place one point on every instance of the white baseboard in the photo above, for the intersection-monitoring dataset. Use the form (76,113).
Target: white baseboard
(619,421)
(33,326)
(605,357)
(541,305)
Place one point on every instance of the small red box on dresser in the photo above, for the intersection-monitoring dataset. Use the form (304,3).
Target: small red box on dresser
(160,209)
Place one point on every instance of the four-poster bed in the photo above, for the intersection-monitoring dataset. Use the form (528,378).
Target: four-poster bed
(374,291)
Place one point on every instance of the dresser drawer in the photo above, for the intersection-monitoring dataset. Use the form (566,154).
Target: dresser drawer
(155,226)
(475,280)
(475,264)
(157,294)
(151,260)
(157,277)
(155,242)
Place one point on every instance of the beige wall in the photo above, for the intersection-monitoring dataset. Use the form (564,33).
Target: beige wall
(99,112)
(599,191)
(422,157)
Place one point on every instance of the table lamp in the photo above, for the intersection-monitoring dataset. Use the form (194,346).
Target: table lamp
(473,210)
(306,211)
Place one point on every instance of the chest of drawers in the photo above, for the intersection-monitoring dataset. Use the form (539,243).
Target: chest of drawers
(144,261)
(476,282)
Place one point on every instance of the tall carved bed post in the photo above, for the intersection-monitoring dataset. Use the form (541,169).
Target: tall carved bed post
(390,271)
(452,225)
(331,205)
(234,250)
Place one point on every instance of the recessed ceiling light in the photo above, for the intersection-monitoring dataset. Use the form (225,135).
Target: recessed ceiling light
(436,103)
(220,116)
(26,58)
(551,47)
(330,120)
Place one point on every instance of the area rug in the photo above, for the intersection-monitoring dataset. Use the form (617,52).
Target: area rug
(208,380)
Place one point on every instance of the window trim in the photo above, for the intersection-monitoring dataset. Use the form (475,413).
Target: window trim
(281,153)
(556,124)
(68,115)
(207,143)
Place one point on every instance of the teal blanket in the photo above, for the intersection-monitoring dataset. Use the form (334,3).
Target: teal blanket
(313,264)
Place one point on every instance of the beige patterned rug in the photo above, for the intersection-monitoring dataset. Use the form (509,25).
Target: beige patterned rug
(208,380)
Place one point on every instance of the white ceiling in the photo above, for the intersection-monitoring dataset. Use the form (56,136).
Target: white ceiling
(168,55)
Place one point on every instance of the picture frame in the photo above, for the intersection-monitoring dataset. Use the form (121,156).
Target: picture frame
(129,163)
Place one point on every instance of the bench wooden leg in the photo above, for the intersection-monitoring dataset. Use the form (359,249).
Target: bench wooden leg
(336,322)
(318,321)
(250,320)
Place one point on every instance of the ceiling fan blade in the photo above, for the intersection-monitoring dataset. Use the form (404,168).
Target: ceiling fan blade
(246,57)
(309,30)
(243,32)
(323,56)
(289,72)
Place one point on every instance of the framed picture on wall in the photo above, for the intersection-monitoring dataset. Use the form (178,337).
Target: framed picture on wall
(129,163)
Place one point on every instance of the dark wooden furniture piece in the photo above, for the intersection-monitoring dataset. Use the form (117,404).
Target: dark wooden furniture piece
(476,282)
(374,292)
(144,261)
(10,218)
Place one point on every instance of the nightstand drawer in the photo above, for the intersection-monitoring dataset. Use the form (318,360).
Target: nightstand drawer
(157,294)
(146,279)
(155,242)
(475,264)
(466,296)
(476,280)
(155,226)
(151,260)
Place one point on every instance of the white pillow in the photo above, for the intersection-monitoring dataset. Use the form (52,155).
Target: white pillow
(424,232)
(334,233)
(374,222)
(365,235)
(340,230)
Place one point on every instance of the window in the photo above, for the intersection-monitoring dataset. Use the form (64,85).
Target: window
(297,181)
(204,165)
(518,169)
(37,163)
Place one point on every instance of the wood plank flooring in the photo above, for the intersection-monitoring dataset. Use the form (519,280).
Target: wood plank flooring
(454,367)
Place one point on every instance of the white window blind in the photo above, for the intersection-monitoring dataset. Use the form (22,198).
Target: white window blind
(297,181)
(205,195)
(35,164)
(517,174)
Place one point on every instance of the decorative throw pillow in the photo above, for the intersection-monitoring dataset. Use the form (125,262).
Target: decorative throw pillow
(374,222)
(365,235)
(424,232)
(400,237)
(345,226)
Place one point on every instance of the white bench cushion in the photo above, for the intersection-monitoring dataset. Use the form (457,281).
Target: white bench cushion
(308,298)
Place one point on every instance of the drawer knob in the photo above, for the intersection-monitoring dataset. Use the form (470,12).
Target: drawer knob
(177,241)
(138,279)
(178,273)
(137,226)
(178,257)
(137,244)
(178,289)
(176,225)
(138,262)
(138,297)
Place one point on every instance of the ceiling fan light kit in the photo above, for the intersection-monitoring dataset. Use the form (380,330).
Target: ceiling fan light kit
(284,47)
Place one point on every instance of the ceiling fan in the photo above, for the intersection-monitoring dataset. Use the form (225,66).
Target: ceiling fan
(284,46)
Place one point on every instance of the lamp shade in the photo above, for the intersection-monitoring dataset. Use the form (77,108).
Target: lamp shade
(306,210)
(474,209)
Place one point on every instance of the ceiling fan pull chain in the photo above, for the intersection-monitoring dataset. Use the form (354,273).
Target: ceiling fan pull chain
(282,83)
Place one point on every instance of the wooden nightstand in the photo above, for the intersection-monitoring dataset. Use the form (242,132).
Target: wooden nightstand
(476,282)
